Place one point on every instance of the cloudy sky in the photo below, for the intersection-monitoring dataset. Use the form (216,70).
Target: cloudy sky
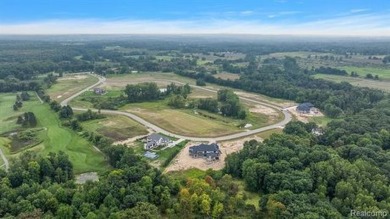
(296,17)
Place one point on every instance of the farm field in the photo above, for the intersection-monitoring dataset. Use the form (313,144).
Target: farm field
(362,71)
(68,85)
(117,128)
(54,137)
(360,82)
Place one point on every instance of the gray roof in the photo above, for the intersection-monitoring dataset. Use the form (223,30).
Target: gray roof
(204,147)
(150,155)
(156,137)
(305,106)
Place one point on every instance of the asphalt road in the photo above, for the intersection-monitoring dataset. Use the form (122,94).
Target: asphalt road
(287,117)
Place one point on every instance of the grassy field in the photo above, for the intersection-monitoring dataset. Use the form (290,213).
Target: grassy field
(192,173)
(7,115)
(154,76)
(363,71)
(190,123)
(267,134)
(117,128)
(179,121)
(56,137)
(360,82)
(68,85)
(321,120)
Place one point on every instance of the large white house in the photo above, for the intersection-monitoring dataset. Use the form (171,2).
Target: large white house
(155,140)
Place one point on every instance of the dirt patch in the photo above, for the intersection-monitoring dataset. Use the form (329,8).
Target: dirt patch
(83,178)
(303,117)
(227,76)
(260,98)
(73,77)
(264,110)
(184,161)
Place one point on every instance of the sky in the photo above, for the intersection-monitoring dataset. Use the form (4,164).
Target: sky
(266,17)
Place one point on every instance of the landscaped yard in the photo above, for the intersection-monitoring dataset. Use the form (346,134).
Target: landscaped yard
(321,120)
(54,137)
(116,127)
(69,85)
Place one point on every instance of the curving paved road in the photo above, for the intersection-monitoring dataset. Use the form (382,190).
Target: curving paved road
(287,117)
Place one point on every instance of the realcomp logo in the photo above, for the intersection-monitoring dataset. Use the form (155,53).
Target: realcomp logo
(376,214)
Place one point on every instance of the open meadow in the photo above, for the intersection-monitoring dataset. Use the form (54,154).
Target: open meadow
(70,84)
(360,82)
(383,73)
(54,136)
(184,122)
(117,128)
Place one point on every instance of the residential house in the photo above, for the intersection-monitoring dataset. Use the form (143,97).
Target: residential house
(305,108)
(208,151)
(99,91)
(156,140)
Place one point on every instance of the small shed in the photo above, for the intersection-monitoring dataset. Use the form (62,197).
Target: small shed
(99,91)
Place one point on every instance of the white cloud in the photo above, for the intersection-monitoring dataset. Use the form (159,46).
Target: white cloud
(283,13)
(358,10)
(247,12)
(358,24)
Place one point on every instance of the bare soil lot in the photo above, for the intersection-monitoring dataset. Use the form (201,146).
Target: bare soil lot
(184,161)
(302,116)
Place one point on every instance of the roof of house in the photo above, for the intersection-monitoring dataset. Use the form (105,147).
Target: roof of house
(305,106)
(157,137)
(150,155)
(204,147)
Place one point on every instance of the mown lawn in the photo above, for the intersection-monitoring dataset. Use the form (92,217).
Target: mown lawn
(117,128)
(320,120)
(8,116)
(56,138)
